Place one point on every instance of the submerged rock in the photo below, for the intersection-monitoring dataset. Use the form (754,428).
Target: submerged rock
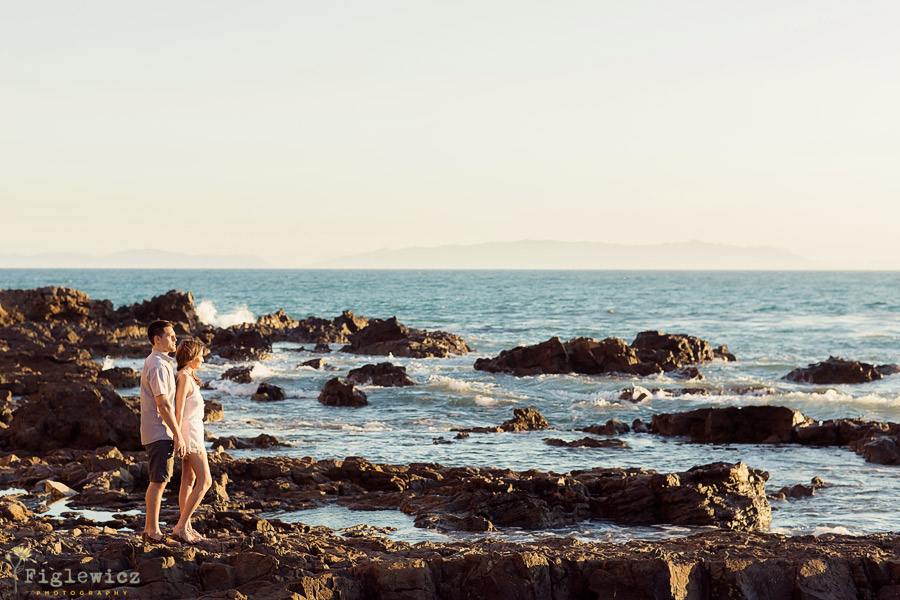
(383,374)
(836,370)
(587,442)
(612,427)
(121,377)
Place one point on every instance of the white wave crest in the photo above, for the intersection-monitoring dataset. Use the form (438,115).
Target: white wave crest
(108,363)
(209,315)
(261,371)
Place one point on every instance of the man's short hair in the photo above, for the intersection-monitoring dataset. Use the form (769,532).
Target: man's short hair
(157,328)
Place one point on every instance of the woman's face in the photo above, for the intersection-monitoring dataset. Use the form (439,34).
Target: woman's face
(196,362)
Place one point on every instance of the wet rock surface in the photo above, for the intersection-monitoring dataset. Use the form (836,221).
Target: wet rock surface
(587,442)
(651,352)
(838,370)
(383,374)
(340,393)
(266,392)
(876,441)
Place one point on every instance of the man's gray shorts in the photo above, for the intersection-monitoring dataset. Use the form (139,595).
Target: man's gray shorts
(160,460)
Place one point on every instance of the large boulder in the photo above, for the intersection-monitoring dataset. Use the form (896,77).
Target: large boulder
(266,392)
(247,341)
(383,374)
(837,370)
(75,415)
(121,377)
(339,393)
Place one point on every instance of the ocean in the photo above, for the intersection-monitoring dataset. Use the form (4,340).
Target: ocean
(772,321)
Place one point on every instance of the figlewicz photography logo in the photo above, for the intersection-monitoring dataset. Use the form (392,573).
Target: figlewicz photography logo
(17,557)
(57,578)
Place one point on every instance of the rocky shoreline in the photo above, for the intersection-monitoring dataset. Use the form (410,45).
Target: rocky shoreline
(66,433)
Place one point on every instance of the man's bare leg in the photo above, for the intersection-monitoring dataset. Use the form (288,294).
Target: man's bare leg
(153,500)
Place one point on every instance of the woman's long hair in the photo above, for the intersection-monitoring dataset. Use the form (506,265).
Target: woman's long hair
(187,351)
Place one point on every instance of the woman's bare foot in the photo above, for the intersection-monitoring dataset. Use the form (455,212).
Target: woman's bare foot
(184,535)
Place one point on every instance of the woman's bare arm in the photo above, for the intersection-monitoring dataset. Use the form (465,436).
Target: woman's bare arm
(181,385)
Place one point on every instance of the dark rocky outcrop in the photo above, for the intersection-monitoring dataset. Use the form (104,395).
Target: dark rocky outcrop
(651,352)
(316,363)
(836,370)
(266,392)
(339,393)
(383,374)
(799,490)
(875,441)
(247,341)
(390,337)
(747,425)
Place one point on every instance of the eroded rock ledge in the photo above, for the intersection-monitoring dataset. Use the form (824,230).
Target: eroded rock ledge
(876,441)
(248,557)
(651,352)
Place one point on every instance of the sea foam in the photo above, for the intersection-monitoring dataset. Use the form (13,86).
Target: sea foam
(209,315)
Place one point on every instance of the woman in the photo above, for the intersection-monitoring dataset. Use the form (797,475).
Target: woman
(195,475)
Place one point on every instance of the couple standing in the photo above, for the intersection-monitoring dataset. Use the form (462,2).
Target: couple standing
(172,425)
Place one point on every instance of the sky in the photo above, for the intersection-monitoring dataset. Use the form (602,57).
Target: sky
(297,131)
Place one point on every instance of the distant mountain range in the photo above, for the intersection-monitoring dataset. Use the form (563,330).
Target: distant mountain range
(131,259)
(496,255)
(578,255)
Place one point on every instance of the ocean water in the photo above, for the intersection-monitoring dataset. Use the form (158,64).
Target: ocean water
(772,321)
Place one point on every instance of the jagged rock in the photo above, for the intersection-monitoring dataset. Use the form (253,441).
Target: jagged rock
(266,392)
(13,510)
(691,373)
(799,490)
(639,426)
(238,374)
(277,320)
(880,449)
(315,363)
(390,337)
(338,393)
(58,490)
(383,374)
(587,443)
(838,370)
(121,377)
(53,304)
(322,348)
(651,352)
(213,411)
(612,427)
(75,415)
(722,353)
(524,419)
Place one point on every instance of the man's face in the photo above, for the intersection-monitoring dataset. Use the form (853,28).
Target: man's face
(166,341)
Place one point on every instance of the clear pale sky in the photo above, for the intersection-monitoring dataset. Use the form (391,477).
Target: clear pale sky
(302,130)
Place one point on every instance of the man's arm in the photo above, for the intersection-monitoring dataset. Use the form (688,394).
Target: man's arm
(168,416)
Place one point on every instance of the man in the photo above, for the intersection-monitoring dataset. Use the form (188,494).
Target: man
(159,432)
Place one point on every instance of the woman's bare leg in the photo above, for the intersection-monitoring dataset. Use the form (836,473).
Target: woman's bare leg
(200,466)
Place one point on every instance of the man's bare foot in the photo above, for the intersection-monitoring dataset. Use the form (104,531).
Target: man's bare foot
(148,537)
